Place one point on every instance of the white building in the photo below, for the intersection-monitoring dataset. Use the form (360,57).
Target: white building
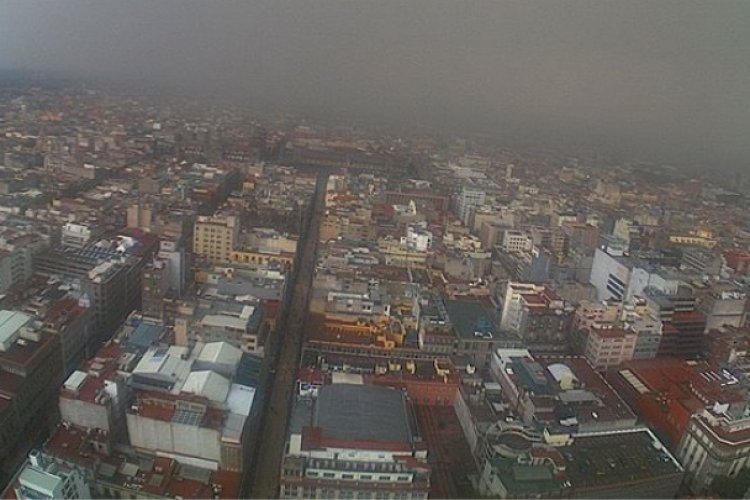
(469,199)
(621,278)
(75,235)
(417,238)
(176,261)
(516,241)
(15,266)
(41,478)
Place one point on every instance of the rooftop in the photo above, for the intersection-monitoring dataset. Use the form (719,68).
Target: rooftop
(363,413)
(470,319)
(160,476)
(602,460)
(10,323)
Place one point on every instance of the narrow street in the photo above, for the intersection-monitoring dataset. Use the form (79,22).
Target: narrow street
(282,358)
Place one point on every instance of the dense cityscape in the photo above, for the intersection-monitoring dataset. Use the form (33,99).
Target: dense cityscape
(374,250)
(196,304)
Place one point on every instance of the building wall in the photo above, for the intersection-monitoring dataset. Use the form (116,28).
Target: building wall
(15,266)
(603,351)
(84,414)
(214,238)
(610,277)
(705,457)
(157,435)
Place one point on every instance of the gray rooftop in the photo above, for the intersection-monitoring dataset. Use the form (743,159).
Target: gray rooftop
(363,412)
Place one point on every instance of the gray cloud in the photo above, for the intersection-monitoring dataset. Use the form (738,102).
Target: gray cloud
(668,78)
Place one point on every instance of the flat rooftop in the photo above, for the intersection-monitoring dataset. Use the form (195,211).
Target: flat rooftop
(362,413)
(470,319)
(606,459)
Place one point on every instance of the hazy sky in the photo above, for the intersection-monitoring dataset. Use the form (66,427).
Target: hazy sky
(663,77)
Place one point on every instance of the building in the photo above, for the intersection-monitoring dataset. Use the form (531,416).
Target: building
(516,241)
(352,441)
(737,261)
(172,252)
(175,401)
(15,266)
(535,313)
(140,216)
(102,471)
(620,464)
(716,443)
(110,278)
(623,278)
(724,308)
(558,395)
(607,347)
(30,373)
(666,392)
(69,317)
(215,237)
(683,337)
(468,200)
(154,288)
(221,319)
(701,260)
(95,396)
(76,235)
(42,478)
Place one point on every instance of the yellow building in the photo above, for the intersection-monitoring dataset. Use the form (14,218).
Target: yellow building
(249,256)
(692,240)
(215,237)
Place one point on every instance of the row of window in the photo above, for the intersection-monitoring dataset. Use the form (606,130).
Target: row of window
(362,477)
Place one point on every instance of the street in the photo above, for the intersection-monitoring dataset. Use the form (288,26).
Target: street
(280,368)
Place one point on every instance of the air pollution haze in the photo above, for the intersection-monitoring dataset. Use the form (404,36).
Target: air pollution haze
(667,80)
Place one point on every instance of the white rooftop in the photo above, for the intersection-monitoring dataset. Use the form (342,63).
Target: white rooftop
(163,363)
(76,380)
(10,323)
(347,378)
(224,321)
(220,353)
(208,384)
(240,399)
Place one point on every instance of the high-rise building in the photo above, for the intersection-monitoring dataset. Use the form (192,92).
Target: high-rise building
(109,277)
(154,287)
(469,199)
(30,373)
